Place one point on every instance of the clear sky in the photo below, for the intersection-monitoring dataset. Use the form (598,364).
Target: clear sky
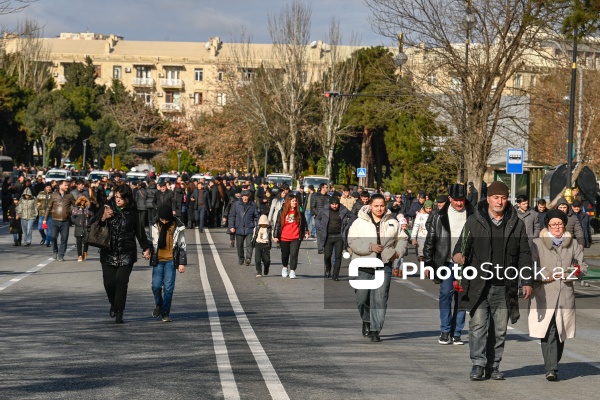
(191,20)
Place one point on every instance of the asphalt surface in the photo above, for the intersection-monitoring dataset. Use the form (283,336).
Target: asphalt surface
(237,336)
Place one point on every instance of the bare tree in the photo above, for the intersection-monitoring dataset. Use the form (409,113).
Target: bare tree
(469,90)
(340,75)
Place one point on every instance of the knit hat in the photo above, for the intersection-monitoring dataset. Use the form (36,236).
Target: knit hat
(334,200)
(497,188)
(165,212)
(555,213)
(428,203)
(403,221)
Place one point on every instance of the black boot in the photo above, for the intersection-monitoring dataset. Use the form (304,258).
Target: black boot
(327,273)
(16,243)
(119,317)
(112,312)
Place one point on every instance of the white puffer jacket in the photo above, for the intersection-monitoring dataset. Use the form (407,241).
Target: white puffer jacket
(362,234)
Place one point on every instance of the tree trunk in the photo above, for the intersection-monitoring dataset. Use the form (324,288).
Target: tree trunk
(293,140)
(284,160)
(366,157)
(328,162)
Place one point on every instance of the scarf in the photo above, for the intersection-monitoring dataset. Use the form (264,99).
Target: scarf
(162,236)
(556,241)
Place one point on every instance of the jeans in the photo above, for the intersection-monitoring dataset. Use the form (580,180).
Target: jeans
(262,254)
(27,227)
(333,242)
(63,228)
(163,275)
(372,303)
(310,222)
(552,347)
(289,253)
(201,215)
(244,246)
(487,328)
(49,230)
(451,320)
(41,230)
(116,281)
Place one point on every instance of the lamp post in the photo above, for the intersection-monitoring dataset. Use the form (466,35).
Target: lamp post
(84,151)
(468,24)
(179,160)
(266,156)
(112,150)
(572,112)
(44,140)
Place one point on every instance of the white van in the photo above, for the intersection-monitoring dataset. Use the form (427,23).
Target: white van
(280,179)
(98,175)
(314,180)
(56,174)
(135,177)
(170,178)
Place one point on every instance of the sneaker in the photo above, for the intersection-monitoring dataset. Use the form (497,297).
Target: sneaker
(157,311)
(258,275)
(166,318)
(444,338)
(43,241)
(457,340)
(284,272)
(61,259)
(293,274)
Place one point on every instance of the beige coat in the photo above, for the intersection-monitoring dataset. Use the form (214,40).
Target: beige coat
(558,296)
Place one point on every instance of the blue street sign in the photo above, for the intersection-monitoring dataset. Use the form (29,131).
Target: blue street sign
(361,172)
(515,158)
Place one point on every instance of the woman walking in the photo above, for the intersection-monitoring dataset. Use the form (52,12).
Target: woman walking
(290,228)
(80,217)
(552,304)
(117,261)
(27,213)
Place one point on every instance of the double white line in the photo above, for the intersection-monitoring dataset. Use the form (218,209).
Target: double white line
(230,390)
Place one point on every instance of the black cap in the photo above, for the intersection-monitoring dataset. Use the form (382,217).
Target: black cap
(334,200)
(117,175)
(311,187)
(163,183)
(165,212)
(441,198)
(555,213)
(577,203)
(245,192)
(457,191)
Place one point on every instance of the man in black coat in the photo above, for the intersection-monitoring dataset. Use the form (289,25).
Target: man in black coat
(200,195)
(494,246)
(443,230)
(319,201)
(164,197)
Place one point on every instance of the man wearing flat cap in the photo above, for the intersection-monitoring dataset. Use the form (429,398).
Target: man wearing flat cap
(494,242)
(443,231)
(242,220)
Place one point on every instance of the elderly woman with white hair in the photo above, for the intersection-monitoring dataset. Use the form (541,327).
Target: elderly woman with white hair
(552,304)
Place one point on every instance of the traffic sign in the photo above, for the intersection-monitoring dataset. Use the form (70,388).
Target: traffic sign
(361,172)
(515,161)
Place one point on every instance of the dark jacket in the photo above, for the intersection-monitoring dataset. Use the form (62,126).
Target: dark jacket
(437,244)
(475,243)
(318,202)
(243,217)
(80,217)
(322,221)
(59,207)
(165,198)
(584,221)
(414,207)
(178,201)
(150,194)
(396,209)
(573,225)
(141,195)
(124,230)
(179,245)
(277,226)
(358,204)
(197,194)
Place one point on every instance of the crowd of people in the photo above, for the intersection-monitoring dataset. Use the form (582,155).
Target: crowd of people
(458,227)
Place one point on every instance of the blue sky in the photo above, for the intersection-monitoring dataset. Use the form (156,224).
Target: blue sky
(190,20)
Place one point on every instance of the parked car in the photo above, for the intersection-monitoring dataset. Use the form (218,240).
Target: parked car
(56,174)
(314,180)
(135,177)
(98,175)
(197,177)
(171,178)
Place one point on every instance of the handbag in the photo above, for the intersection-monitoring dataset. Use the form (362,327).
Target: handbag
(98,235)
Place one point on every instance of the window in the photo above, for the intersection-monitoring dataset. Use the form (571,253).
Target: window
(143,72)
(247,74)
(518,81)
(172,97)
(172,73)
(66,69)
(117,72)
(98,70)
(532,82)
(221,99)
(145,96)
(198,74)
(220,76)
(198,98)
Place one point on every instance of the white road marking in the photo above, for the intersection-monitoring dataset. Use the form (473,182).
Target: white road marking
(269,374)
(230,390)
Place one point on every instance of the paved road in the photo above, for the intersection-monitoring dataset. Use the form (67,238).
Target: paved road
(237,336)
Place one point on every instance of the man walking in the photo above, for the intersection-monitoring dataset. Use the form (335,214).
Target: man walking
(492,240)
(442,235)
(375,234)
(202,201)
(242,220)
(59,208)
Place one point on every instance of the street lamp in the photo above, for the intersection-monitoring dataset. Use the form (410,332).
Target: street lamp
(266,156)
(179,160)
(84,150)
(468,23)
(44,140)
(112,150)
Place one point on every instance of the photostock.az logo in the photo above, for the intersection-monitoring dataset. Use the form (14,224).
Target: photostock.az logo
(366,262)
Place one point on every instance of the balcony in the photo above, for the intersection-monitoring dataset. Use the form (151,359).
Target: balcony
(142,82)
(171,83)
(170,107)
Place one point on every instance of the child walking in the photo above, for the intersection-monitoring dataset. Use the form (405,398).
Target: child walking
(80,217)
(261,241)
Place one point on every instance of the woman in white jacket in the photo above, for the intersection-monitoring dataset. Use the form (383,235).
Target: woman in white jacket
(375,234)
(419,230)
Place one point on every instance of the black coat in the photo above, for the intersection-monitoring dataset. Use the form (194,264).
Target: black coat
(165,198)
(322,220)
(150,194)
(177,201)
(141,195)
(437,245)
(80,217)
(124,230)
(476,244)
(318,202)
